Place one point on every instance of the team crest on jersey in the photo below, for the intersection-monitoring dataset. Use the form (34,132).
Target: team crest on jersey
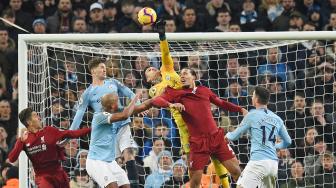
(28,144)
(42,139)
(168,77)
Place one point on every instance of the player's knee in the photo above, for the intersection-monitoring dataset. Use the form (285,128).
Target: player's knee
(128,154)
(112,185)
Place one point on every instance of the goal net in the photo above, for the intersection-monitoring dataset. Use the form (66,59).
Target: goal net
(298,69)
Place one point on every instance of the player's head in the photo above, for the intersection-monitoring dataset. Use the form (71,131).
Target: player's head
(260,96)
(151,74)
(97,68)
(29,118)
(188,77)
(110,102)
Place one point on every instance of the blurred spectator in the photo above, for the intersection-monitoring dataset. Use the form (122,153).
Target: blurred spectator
(297,177)
(50,7)
(12,177)
(113,68)
(212,8)
(6,43)
(151,160)
(3,140)
(81,180)
(275,66)
(322,122)
(309,26)
(141,133)
(61,21)
(71,150)
(285,161)
(8,119)
(297,121)
(245,75)
(296,20)
(157,178)
(235,94)
(97,23)
(39,26)
(281,23)
(234,27)
(306,147)
(278,101)
(316,18)
(223,20)
(170,26)
(79,26)
(22,18)
(130,80)
(38,9)
(311,160)
(268,11)
(326,174)
(81,159)
(13,32)
(305,6)
(70,71)
(110,15)
(169,8)
(332,22)
(80,11)
(328,6)
(249,16)
(189,23)
(127,8)
(179,176)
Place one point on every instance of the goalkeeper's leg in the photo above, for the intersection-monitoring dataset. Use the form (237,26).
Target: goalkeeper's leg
(183,131)
(222,172)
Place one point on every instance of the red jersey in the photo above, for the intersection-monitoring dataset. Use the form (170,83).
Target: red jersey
(197,114)
(42,149)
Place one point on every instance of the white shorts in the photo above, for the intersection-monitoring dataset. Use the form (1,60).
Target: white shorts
(124,140)
(261,174)
(105,173)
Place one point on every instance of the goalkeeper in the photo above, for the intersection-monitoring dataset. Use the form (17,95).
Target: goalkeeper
(167,76)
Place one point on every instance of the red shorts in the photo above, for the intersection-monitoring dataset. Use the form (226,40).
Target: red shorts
(202,147)
(59,179)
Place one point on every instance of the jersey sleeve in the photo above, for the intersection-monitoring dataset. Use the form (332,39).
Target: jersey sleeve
(60,134)
(82,105)
(124,91)
(223,103)
(167,61)
(245,125)
(14,154)
(102,118)
(285,138)
(163,100)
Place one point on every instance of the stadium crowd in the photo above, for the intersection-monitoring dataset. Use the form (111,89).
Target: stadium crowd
(301,78)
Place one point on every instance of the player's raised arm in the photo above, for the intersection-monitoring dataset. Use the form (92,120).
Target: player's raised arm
(243,128)
(285,138)
(167,61)
(14,154)
(82,105)
(225,104)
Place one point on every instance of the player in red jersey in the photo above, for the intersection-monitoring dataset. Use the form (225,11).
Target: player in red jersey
(40,145)
(206,139)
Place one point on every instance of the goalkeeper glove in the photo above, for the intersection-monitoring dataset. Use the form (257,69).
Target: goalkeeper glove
(160,28)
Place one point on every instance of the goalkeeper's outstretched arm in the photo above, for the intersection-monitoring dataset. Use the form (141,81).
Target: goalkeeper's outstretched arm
(167,61)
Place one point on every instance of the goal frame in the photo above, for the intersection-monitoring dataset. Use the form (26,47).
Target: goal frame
(24,39)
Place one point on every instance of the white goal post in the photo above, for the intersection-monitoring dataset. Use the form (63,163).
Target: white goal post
(71,40)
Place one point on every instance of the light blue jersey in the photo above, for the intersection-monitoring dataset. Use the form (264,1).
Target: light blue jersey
(103,138)
(92,97)
(264,127)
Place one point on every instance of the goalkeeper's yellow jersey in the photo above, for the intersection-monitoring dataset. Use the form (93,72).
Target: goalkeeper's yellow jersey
(169,76)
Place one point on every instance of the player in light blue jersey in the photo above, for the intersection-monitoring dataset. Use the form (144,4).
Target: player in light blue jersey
(101,164)
(264,127)
(92,97)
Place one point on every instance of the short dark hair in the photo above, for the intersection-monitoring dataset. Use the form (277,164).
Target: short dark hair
(192,71)
(262,94)
(93,63)
(25,115)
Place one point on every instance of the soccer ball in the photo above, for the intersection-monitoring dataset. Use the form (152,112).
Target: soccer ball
(147,16)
